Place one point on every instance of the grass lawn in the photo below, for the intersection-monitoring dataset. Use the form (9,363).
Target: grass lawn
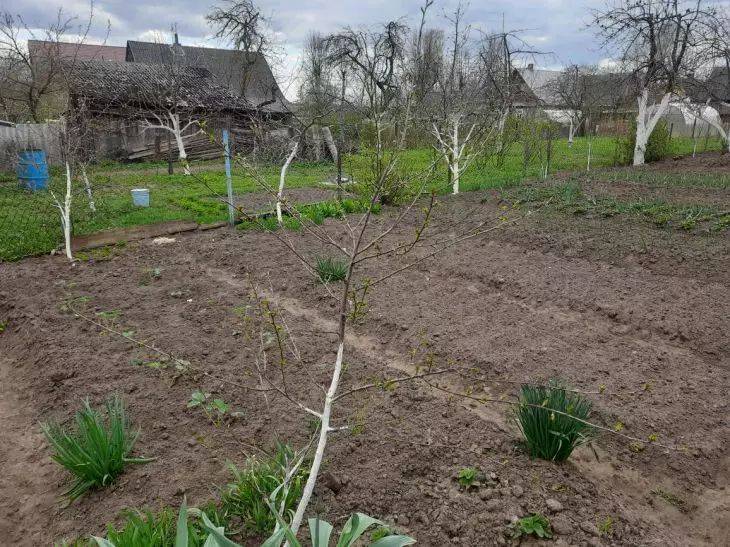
(29,223)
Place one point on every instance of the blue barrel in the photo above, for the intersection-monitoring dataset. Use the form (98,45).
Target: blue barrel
(33,169)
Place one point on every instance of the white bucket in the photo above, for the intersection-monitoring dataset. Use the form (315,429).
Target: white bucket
(141,197)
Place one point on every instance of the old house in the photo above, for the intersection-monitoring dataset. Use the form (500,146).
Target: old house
(120,92)
(120,107)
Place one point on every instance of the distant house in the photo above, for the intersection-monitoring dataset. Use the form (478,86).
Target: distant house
(608,98)
(118,86)
(536,88)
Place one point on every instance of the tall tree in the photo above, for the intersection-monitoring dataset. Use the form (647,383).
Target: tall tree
(30,79)
(661,42)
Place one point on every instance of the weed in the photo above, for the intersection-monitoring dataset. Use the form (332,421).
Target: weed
(605,527)
(670,498)
(4,325)
(245,497)
(330,269)
(97,450)
(215,409)
(467,477)
(535,524)
(544,417)
(149,275)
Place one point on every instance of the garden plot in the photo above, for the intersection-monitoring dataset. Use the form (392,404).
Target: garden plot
(631,312)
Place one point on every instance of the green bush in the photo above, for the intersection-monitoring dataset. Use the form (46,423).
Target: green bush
(657,148)
(544,418)
(246,497)
(96,451)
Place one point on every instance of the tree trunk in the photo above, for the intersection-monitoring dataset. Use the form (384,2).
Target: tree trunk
(646,121)
(282,179)
(330,142)
(455,170)
(87,187)
(321,443)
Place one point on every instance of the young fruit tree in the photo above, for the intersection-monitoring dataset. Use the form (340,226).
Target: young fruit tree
(172,112)
(458,98)
(661,43)
(473,92)
(375,59)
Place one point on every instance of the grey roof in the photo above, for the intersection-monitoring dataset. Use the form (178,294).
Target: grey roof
(111,84)
(541,83)
(247,75)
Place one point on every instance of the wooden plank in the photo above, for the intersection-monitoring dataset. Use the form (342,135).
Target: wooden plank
(114,237)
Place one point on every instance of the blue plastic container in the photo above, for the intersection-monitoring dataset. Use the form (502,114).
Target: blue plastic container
(33,169)
(141,197)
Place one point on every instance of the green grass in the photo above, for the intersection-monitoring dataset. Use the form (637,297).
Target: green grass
(551,435)
(659,179)
(29,223)
(97,449)
(244,498)
(570,198)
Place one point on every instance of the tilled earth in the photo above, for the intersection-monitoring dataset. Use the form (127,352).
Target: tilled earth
(635,315)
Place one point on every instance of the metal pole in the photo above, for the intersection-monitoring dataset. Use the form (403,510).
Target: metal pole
(229,183)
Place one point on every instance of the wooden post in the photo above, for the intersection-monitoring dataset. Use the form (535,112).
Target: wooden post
(229,182)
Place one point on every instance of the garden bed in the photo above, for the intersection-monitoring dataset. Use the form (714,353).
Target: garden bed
(633,313)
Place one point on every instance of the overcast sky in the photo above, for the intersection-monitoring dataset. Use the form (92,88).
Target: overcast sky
(556,26)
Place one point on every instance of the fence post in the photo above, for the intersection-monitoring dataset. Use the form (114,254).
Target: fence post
(229,182)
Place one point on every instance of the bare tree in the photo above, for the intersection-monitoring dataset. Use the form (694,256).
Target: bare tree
(170,109)
(660,42)
(32,79)
(242,23)
(574,90)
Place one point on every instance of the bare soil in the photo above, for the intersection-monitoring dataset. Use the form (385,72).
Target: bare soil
(635,314)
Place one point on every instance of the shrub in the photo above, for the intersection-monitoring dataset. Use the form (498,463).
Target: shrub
(330,269)
(246,497)
(96,451)
(544,418)
(657,148)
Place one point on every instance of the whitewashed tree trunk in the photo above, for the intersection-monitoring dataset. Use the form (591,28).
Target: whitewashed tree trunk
(325,430)
(282,180)
(329,142)
(571,133)
(177,131)
(87,188)
(455,171)
(65,211)
(646,121)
